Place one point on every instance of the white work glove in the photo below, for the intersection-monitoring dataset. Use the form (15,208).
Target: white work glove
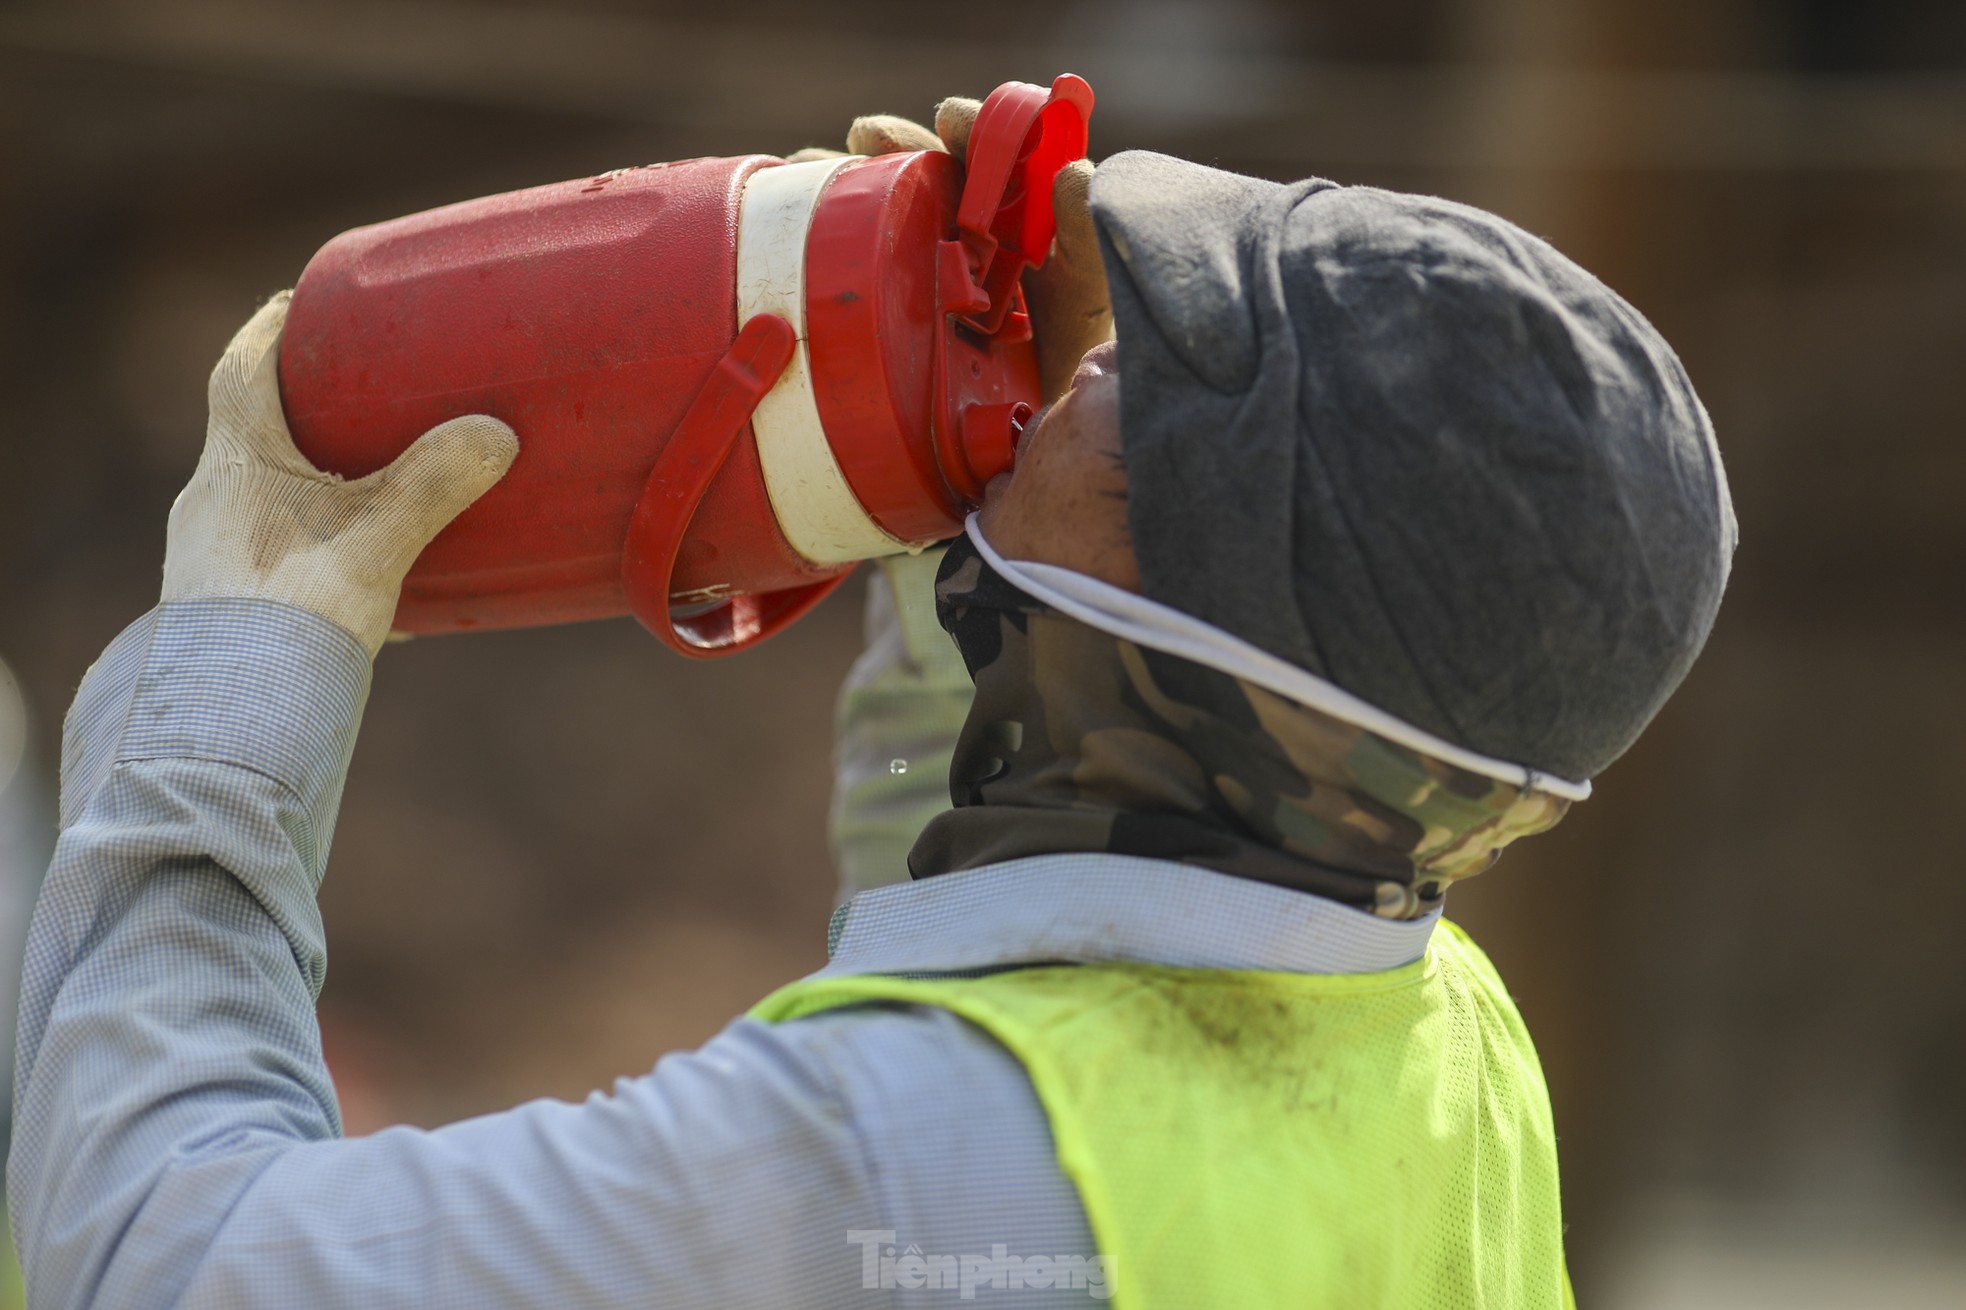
(259,522)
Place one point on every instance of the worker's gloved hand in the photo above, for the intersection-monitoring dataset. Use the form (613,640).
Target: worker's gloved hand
(258,521)
(1071,309)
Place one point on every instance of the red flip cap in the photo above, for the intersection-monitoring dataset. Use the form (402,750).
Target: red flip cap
(1023,137)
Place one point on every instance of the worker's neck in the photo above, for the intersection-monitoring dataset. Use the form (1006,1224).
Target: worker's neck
(1081,741)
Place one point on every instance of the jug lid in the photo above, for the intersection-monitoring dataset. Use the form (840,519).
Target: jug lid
(1023,137)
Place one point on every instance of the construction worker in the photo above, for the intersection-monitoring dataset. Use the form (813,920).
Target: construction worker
(1384,528)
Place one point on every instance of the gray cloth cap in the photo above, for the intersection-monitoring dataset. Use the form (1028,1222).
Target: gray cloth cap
(1406,445)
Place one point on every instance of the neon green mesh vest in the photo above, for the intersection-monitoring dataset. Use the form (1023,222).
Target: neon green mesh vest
(1249,1139)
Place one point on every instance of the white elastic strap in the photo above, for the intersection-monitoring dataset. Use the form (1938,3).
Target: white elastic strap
(816,509)
(1154,625)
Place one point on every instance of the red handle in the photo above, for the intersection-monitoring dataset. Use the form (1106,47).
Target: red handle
(1023,136)
(683,472)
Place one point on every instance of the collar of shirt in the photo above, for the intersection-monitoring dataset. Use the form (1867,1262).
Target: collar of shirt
(1081,908)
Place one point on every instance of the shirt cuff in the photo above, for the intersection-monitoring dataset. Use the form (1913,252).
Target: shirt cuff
(249,683)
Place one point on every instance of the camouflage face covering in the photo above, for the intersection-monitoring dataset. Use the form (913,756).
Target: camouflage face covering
(1081,741)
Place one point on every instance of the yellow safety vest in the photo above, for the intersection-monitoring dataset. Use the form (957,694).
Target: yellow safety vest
(1251,1139)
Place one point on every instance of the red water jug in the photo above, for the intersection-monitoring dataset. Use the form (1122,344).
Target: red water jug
(732,379)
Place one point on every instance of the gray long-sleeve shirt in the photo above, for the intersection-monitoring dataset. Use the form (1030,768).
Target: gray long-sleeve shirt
(177,1139)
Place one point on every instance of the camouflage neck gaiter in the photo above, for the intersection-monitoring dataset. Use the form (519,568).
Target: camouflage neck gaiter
(1081,741)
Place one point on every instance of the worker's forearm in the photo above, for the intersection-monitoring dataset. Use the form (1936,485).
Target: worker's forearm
(899,714)
(168,1046)
(177,1139)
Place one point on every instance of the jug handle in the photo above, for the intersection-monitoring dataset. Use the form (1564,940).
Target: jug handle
(682,475)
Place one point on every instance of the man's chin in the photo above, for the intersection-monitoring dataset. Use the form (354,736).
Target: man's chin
(994,494)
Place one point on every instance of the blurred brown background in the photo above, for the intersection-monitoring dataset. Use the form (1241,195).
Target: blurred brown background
(565,851)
